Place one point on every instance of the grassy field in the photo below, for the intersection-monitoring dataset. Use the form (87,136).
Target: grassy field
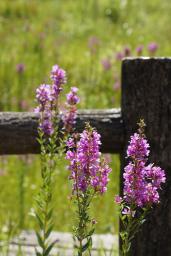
(83,37)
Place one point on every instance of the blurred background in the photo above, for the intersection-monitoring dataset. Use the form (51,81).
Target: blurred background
(88,38)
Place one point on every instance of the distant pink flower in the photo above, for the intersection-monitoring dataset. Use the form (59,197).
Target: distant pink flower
(152,47)
(119,56)
(20,68)
(117,85)
(106,63)
(139,50)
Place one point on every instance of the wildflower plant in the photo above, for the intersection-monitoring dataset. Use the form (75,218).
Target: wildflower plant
(89,175)
(48,109)
(142,182)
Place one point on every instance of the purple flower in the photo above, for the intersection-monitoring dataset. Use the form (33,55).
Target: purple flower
(72,97)
(43,94)
(152,47)
(155,174)
(70,113)
(70,143)
(126,211)
(20,68)
(47,126)
(69,118)
(47,98)
(138,147)
(139,50)
(141,182)
(58,75)
(118,199)
(106,63)
(119,56)
(88,171)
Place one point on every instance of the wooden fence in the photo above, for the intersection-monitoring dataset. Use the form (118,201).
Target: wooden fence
(146,93)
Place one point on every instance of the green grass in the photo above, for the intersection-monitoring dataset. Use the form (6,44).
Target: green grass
(40,33)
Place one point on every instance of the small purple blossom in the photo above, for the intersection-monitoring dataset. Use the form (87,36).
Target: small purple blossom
(152,47)
(69,115)
(126,211)
(106,63)
(139,50)
(58,75)
(72,97)
(119,56)
(118,199)
(47,126)
(43,94)
(20,68)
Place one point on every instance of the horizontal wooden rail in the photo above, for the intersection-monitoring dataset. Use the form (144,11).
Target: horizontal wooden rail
(18,130)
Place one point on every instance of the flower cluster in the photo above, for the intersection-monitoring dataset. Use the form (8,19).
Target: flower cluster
(70,114)
(88,170)
(142,182)
(47,98)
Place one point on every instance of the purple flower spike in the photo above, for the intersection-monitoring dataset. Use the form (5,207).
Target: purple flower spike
(138,147)
(141,182)
(58,75)
(43,94)
(47,98)
(87,169)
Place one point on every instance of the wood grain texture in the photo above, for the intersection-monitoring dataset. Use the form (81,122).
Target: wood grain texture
(146,93)
(18,130)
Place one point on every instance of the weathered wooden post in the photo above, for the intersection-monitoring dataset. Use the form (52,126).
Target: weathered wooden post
(146,93)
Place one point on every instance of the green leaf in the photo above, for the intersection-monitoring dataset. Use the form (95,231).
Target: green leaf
(39,221)
(40,240)
(91,232)
(49,215)
(87,245)
(48,231)
(47,251)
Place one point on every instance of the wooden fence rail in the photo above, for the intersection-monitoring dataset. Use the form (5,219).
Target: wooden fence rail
(18,130)
(146,93)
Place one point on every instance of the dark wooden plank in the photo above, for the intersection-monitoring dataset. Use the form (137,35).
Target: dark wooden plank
(146,93)
(18,130)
